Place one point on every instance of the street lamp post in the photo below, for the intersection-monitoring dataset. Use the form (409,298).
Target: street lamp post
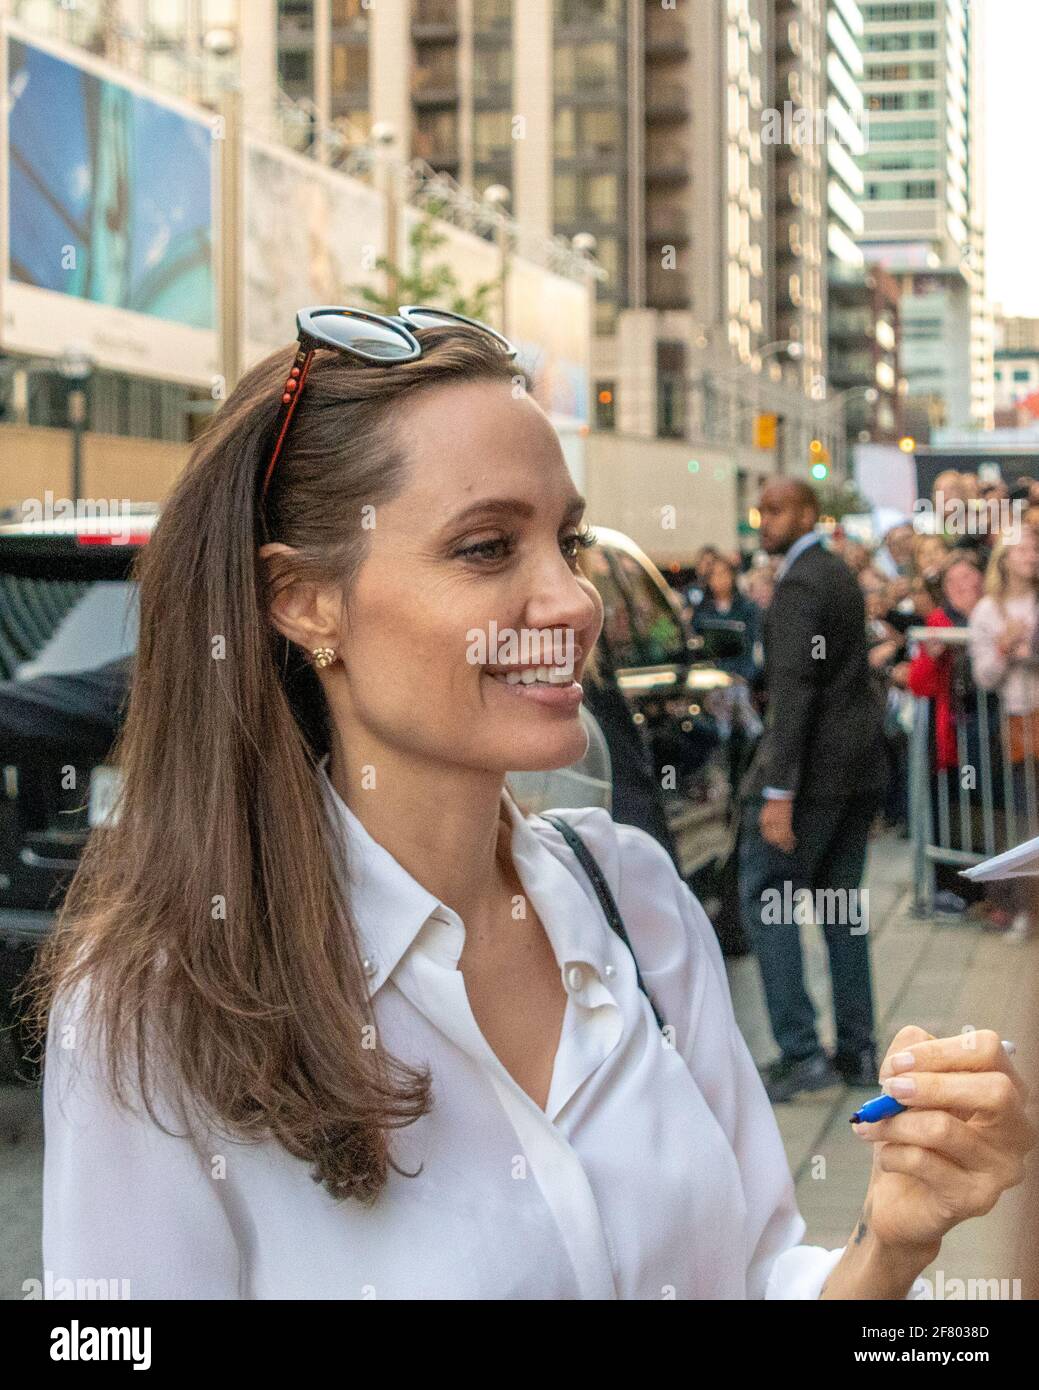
(76,366)
(497,196)
(383,136)
(839,405)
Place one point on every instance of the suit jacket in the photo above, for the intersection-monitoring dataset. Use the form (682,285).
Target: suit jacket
(823,736)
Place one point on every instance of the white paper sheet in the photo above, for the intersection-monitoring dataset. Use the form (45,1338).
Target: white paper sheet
(1020,862)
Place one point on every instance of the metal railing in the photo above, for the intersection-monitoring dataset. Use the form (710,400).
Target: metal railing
(986,803)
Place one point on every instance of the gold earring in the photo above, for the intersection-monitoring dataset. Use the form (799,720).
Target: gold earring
(324,656)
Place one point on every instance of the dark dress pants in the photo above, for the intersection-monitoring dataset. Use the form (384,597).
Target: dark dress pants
(830,854)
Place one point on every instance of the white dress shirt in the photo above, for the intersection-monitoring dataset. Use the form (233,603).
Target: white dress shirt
(655,1171)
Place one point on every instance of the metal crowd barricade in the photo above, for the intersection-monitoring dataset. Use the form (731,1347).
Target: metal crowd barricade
(961,820)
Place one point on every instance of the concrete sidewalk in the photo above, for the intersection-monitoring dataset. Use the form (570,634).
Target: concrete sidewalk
(943,976)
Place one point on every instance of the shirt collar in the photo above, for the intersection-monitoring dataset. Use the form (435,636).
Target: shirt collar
(798,548)
(389,907)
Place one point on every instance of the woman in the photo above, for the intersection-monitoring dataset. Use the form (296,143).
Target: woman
(723,600)
(940,672)
(1004,654)
(388,1043)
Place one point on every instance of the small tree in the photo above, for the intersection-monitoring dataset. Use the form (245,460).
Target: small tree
(839,499)
(421,283)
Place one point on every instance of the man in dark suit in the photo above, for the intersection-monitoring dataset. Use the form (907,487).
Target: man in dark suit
(811,793)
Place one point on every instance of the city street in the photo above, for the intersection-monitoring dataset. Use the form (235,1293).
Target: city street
(941,976)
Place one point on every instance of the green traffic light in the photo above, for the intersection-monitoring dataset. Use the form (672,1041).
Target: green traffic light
(819,470)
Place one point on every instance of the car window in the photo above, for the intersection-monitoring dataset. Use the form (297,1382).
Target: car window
(616,627)
(662,637)
(100,626)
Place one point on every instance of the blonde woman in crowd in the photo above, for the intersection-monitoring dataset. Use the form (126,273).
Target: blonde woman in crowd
(1004,652)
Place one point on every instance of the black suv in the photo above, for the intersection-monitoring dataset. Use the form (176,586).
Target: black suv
(68,628)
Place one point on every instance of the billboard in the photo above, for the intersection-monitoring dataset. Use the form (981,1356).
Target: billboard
(109,209)
(311,235)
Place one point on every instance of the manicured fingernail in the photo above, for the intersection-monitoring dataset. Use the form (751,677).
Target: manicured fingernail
(901,1061)
(900,1086)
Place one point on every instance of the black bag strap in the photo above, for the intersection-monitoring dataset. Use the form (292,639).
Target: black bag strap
(588,862)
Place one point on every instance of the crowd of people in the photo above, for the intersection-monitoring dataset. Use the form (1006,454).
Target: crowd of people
(967,565)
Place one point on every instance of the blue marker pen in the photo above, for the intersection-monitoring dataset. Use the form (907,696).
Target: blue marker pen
(885,1105)
(878,1109)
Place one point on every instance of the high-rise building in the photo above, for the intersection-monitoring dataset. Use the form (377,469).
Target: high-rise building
(923,203)
(640,124)
(863,314)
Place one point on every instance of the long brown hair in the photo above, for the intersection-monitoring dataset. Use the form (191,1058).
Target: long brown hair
(210,923)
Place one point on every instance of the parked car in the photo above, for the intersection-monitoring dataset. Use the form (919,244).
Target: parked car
(695,719)
(68,627)
(68,631)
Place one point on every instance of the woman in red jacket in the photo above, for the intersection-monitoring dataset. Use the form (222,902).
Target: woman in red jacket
(932,676)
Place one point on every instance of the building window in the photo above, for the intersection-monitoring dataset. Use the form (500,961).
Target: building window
(671,390)
(606,311)
(294,66)
(566,197)
(492,136)
(588,11)
(349,68)
(600,196)
(600,133)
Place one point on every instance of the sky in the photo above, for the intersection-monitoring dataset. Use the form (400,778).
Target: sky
(1011,75)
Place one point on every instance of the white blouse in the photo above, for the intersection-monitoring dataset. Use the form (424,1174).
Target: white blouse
(656,1171)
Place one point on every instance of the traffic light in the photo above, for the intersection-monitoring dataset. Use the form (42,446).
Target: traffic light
(820,457)
(765,431)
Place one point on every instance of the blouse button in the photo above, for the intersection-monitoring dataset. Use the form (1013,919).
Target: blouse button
(610,971)
(370,966)
(575,978)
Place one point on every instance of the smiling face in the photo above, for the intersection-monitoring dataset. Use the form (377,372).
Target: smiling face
(482,539)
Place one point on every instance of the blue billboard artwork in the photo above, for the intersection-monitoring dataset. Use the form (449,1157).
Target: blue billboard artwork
(109,193)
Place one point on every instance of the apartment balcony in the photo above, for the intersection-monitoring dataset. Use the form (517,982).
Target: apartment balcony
(668,223)
(493,92)
(665,33)
(440,153)
(667,164)
(434,87)
(667,290)
(494,154)
(851,326)
(667,101)
(435,21)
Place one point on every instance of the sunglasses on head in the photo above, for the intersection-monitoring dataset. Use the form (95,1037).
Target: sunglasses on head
(382,339)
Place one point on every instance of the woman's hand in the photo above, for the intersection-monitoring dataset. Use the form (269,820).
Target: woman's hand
(959,1144)
(947,1157)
